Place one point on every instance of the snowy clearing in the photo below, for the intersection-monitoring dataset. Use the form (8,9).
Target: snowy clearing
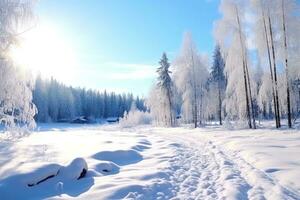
(151,163)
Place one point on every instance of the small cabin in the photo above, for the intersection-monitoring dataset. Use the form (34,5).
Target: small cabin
(80,120)
(84,120)
(112,120)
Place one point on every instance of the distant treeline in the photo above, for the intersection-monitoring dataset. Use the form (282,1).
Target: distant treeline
(57,102)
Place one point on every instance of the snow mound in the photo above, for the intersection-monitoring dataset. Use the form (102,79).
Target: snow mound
(41,174)
(120,157)
(75,170)
(107,168)
(48,180)
(32,178)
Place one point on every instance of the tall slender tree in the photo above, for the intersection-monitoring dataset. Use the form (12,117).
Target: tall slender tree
(190,77)
(165,85)
(274,67)
(288,100)
(244,61)
(218,78)
(231,36)
(263,44)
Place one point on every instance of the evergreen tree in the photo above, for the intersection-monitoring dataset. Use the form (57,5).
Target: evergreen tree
(40,99)
(165,85)
(218,78)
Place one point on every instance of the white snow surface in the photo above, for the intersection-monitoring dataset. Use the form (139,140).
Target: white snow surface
(151,163)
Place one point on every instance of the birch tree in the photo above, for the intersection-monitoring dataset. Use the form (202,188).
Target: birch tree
(266,47)
(231,36)
(190,76)
(289,11)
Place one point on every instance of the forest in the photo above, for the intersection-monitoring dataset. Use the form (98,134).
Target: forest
(254,75)
(56,102)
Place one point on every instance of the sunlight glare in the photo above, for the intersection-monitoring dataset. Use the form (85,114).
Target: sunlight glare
(44,50)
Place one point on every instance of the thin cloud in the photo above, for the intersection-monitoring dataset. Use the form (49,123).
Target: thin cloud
(132,71)
(129,65)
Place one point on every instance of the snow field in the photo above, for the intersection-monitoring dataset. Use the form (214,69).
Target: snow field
(152,163)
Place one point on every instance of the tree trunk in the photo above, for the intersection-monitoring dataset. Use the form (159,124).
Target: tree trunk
(200,109)
(172,122)
(275,71)
(286,68)
(220,99)
(250,94)
(244,71)
(195,119)
(220,106)
(270,66)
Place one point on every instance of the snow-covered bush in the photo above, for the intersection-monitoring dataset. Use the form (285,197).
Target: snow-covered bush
(134,118)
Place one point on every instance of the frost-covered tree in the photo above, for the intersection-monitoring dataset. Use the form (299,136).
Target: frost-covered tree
(264,29)
(231,35)
(218,81)
(154,104)
(265,96)
(165,85)
(277,31)
(190,77)
(290,20)
(258,74)
(16,107)
(135,117)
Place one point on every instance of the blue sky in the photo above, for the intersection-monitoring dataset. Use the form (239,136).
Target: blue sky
(118,43)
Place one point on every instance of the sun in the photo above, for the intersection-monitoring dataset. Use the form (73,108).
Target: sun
(45,51)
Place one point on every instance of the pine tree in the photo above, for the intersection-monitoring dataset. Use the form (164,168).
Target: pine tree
(40,100)
(218,78)
(165,85)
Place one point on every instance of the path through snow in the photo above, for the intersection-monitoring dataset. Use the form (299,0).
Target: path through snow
(202,171)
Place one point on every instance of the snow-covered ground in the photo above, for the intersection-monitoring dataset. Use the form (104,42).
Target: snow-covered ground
(151,163)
